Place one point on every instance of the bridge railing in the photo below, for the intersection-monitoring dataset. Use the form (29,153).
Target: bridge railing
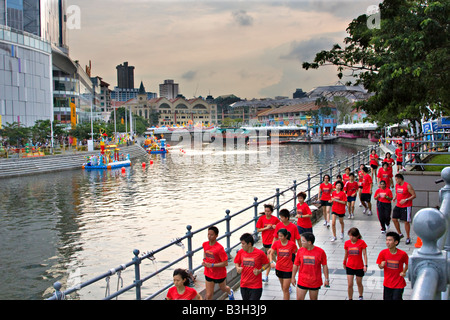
(429,266)
(280,199)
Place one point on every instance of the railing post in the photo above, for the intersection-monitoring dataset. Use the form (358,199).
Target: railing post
(278,202)
(137,273)
(58,294)
(228,233)
(189,252)
(320,176)
(339,167)
(428,273)
(255,217)
(309,187)
(295,195)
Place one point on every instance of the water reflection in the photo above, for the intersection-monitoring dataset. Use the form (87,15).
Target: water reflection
(72,226)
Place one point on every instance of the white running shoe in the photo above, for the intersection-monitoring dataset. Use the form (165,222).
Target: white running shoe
(333,239)
(341,236)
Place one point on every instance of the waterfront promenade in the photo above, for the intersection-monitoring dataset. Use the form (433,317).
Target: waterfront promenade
(370,230)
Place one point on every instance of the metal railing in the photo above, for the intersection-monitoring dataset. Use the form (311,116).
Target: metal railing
(416,150)
(429,270)
(309,186)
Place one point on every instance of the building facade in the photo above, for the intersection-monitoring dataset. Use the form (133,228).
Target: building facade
(169,89)
(125,76)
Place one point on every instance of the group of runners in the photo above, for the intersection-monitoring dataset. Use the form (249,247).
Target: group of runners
(289,248)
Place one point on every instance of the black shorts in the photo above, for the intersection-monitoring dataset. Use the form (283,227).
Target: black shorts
(325,203)
(306,288)
(251,294)
(373,166)
(351,199)
(215,280)
(355,272)
(366,197)
(340,215)
(283,274)
(399,163)
(403,214)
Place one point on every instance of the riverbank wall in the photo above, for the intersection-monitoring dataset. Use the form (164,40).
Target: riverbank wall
(16,167)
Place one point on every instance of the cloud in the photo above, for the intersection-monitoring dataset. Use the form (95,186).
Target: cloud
(242,18)
(190,75)
(306,50)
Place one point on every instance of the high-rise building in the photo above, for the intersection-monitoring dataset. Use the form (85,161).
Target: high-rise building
(125,76)
(168,89)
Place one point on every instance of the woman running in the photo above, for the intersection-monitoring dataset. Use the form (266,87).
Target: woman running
(355,251)
(285,251)
(339,199)
(325,190)
(374,163)
(181,291)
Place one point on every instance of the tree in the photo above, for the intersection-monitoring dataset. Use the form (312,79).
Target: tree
(17,135)
(344,108)
(404,64)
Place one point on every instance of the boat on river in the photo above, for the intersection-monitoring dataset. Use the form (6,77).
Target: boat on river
(109,166)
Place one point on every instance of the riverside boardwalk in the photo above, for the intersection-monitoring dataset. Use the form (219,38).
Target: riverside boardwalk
(370,230)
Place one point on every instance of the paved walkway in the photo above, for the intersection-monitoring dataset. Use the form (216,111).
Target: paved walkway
(370,230)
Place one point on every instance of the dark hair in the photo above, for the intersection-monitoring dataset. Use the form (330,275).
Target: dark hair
(400,176)
(285,213)
(394,235)
(302,194)
(365,169)
(329,178)
(215,229)
(309,237)
(351,174)
(338,176)
(384,163)
(354,232)
(269,206)
(183,274)
(341,183)
(285,233)
(247,238)
(382,181)
(388,153)
(349,169)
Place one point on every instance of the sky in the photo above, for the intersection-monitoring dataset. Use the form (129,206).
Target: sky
(251,48)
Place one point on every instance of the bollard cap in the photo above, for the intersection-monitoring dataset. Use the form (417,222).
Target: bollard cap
(429,224)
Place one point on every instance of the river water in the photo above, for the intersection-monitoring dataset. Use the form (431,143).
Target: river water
(72,226)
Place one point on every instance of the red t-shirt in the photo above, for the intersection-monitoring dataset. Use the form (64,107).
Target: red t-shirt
(385,175)
(337,207)
(267,235)
(360,178)
(326,191)
(402,192)
(309,263)
(351,188)
(189,294)
(345,178)
(304,210)
(382,195)
(398,153)
(393,268)
(373,159)
(367,181)
(284,255)
(391,161)
(249,261)
(215,254)
(355,251)
(292,228)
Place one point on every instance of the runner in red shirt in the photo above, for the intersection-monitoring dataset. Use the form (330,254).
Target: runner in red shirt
(339,199)
(399,155)
(304,214)
(215,260)
(374,163)
(250,262)
(346,175)
(391,163)
(385,174)
(384,197)
(289,226)
(308,262)
(355,250)
(394,262)
(404,194)
(181,291)
(351,189)
(285,251)
(366,193)
(325,190)
(266,225)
